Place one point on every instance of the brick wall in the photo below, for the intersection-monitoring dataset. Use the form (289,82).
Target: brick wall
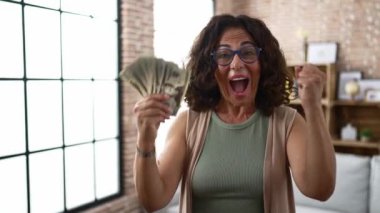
(355,25)
(137,39)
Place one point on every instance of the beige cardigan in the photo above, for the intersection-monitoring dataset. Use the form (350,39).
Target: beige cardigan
(278,192)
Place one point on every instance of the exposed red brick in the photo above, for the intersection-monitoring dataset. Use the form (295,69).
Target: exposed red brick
(354,25)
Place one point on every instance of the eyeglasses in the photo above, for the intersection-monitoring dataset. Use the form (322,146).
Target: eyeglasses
(248,54)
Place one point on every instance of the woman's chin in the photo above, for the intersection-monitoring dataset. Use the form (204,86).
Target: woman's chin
(240,97)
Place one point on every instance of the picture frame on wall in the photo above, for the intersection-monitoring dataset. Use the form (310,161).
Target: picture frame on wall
(322,52)
(366,85)
(344,77)
(372,95)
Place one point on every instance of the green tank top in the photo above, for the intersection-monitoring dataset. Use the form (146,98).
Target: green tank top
(228,176)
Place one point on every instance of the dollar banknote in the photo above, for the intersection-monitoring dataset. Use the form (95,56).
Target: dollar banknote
(151,75)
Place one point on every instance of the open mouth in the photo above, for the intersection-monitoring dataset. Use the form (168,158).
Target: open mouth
(239,85)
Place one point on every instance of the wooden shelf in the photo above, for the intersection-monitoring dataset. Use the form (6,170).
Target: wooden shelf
(338,113)
(355,103)
(358,144)
(326,102)
(297,101)
(357,147)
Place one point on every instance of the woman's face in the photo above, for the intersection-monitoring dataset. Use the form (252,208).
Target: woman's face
(238,81)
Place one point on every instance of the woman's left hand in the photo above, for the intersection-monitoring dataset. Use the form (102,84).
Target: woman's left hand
(311,82)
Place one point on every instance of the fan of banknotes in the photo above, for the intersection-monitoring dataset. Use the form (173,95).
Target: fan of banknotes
(150,75)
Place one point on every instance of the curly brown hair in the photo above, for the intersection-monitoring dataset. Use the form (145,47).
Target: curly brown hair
(203,92)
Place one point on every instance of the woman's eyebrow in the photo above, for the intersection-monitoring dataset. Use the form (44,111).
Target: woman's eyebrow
(223,45)
(248,42)
(242,44)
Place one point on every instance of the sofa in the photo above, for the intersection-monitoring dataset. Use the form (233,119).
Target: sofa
(357,189)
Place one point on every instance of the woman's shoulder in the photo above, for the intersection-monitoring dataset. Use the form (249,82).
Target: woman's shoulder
(284,113)
(192,115)
(187,116)
(194,119)
(283,118)
(284,109)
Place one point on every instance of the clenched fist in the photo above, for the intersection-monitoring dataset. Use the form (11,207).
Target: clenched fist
(311,82)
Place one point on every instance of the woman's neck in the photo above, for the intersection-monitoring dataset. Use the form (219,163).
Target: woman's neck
(234,114)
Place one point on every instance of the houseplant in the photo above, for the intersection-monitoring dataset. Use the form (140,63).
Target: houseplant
(365,134)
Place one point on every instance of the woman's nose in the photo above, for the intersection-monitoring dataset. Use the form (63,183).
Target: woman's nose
(236,62)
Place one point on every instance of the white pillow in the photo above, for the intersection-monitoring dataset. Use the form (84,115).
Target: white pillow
(305,209)
(173,205)
(375,185)
(351,189)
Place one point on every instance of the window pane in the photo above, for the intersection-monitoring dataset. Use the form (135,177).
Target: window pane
(105,9)
(79,175)
(42,34)
(44,114)
(13,195)
(105,61)
(97,8)
(107,168)
(77,47)
(11,63)
(77,6)
(166,37)
(45,3)
(12,118)
(105,109)
(46,181)
(78,111)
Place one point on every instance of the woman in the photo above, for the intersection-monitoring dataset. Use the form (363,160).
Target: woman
(234,149)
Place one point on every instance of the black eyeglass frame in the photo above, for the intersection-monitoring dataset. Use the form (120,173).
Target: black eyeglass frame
(238,52)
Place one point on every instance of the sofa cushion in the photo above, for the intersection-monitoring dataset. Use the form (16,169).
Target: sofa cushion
(375,185)
(308,209)
(351,189)
(173,205)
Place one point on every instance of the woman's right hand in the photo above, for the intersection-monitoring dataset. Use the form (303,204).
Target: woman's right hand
(150,112)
